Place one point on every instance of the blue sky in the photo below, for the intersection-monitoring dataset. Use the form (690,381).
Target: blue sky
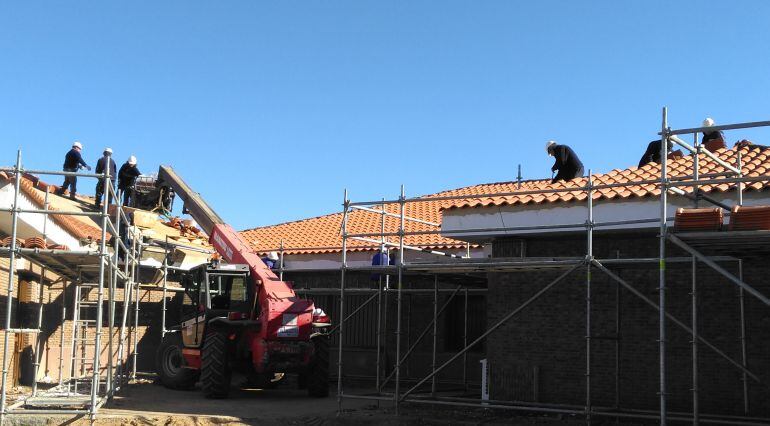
(271,109)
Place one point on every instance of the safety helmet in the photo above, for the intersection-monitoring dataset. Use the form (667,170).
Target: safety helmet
(108,151)
(708,122)
(132,160)
(77,144)
(272,255)
(548,146)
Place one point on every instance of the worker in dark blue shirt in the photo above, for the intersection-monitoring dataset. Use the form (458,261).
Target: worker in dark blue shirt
(73,162)
(101,167)
(567,162)
(127,178)
(652,155)
(271,260)
(381,258)
(712,140)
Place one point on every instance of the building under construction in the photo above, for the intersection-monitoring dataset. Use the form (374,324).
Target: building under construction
(636,293)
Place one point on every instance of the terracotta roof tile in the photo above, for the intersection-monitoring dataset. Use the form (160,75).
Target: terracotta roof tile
(322,234)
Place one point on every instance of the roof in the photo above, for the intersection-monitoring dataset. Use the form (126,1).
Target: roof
(81,227)
(87,227)
(756,162)
(322,234)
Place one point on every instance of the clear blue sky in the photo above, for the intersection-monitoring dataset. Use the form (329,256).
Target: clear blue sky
(270,109)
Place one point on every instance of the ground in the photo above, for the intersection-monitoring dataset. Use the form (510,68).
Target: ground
(151,404)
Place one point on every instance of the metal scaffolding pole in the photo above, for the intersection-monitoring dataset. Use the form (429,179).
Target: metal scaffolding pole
(662,267)
(674,320)
(399,294)
(435,335)
(11,277)
(38,338)
(589,257)
(694,302)
(744,356)
(491,329)
(137,249)
(341,335)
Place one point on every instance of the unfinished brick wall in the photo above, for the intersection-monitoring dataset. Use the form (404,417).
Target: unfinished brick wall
(417,313)
(547,340)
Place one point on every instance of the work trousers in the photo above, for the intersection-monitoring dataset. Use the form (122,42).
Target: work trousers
(70,182)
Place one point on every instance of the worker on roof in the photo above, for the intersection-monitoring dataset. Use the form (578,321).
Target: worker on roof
(73,162)
(745,143)
(271,259)
(101,166)
(127,178)
(712,140)
(652,155)
(567,162)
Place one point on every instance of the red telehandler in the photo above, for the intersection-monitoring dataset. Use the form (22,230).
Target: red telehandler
(238,316)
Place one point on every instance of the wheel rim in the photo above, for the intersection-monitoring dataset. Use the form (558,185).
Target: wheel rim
(173,361)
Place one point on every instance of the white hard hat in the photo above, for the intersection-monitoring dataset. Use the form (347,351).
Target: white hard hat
(708,122)
(548,146)
(108,151)
(77,144)
(272,255)
(132,160)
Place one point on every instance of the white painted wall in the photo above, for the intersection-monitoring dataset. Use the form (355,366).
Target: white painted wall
(31,224)
(571,213)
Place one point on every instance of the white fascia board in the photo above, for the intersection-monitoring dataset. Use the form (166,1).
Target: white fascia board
(333,261)
(32,224)
(456,221)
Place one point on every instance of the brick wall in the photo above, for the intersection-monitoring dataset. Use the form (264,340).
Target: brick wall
(540,354)
(417,313)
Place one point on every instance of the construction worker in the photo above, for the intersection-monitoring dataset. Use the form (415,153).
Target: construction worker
(745,143)
(127,178)
(567,162)
(73,162)
(101,166)
(712,140)
(381,258)
(652,155)
(271,260)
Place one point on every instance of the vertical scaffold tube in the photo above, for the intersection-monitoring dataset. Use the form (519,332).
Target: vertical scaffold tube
(341,314)
(662,266)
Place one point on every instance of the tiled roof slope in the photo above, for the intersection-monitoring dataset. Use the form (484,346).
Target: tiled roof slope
(756,162)
(322,234)
(75,225)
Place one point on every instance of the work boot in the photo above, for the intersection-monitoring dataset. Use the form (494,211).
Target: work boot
(72,196)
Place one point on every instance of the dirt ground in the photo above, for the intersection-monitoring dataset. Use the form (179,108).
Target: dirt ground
(151,404)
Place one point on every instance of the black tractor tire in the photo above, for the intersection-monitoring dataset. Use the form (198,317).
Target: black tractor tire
(215,366)
(318,370)
(170,364)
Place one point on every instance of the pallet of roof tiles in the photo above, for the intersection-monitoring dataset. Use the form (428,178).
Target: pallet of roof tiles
(743,218)
(34,242)
(7,242)
(708,219)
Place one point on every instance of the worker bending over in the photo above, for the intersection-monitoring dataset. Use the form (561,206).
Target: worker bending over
(652,155)
(127,178)
(271,260)
(714,139)
(73,162)
(567,162)
(101,166)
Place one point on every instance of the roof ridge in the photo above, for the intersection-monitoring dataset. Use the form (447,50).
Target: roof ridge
(291,222)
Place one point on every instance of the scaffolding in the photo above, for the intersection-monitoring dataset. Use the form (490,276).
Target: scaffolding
(689,242)
(95,275)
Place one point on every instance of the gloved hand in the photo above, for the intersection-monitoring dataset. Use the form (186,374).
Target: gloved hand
(88,168)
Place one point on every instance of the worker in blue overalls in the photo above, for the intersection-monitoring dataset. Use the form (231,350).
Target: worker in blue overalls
(73,162)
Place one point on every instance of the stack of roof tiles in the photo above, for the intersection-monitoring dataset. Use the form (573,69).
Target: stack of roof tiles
(743,218)
(708,219)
